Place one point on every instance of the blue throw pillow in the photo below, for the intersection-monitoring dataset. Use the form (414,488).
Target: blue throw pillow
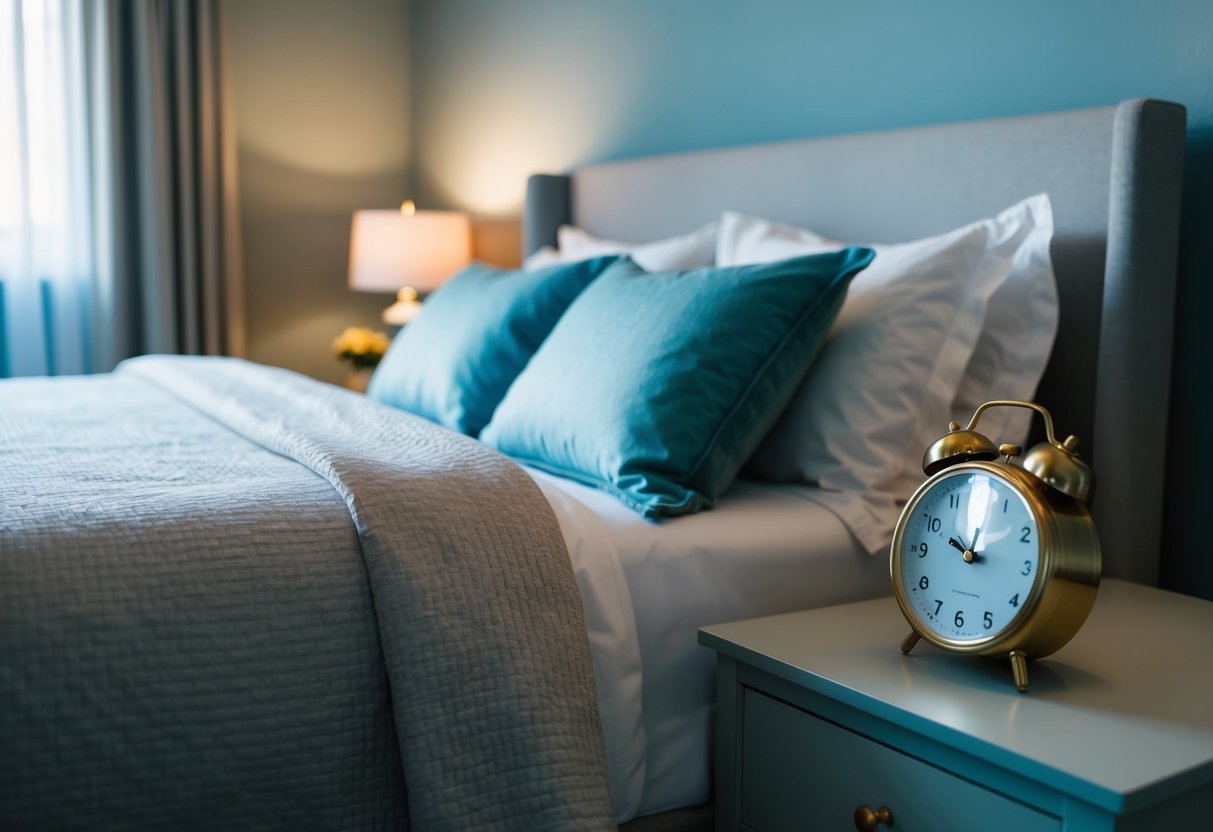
(658,386)
(453,363)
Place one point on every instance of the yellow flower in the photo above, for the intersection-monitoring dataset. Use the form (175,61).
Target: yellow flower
(379,342)
(361,346)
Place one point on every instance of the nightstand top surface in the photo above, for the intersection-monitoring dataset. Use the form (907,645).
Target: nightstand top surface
(1121,716)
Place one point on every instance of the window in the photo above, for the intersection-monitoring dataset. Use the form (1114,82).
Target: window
(45,238)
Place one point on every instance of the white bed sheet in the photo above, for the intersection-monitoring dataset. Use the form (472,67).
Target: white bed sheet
(647,587)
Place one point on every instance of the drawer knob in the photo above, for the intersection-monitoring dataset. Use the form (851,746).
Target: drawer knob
(867,819)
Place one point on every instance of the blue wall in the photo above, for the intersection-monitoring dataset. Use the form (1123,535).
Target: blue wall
(503,89)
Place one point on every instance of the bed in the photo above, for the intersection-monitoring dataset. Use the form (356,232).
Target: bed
(212,612)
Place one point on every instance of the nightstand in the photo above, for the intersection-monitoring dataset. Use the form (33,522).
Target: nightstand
(819,715)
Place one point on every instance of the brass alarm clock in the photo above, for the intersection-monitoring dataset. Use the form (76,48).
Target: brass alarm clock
(995,558)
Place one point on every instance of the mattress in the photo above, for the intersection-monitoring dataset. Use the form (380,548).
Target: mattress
(647,587)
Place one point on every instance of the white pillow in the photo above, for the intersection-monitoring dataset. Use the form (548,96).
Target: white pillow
(1017,340)
(686,251)
(887,380)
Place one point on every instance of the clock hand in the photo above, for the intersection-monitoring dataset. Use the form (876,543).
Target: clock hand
(976,534)
(969,555)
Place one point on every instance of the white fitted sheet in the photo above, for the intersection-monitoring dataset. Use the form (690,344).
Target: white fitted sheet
(647,587)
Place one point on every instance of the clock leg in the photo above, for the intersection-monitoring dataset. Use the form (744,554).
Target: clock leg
(1019,669)
(907,643)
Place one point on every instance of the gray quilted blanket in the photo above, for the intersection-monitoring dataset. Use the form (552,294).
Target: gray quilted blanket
(231,597)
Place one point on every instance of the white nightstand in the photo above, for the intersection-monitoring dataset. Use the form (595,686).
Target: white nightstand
(818,713)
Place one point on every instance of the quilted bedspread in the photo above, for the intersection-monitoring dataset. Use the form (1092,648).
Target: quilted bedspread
(232,597)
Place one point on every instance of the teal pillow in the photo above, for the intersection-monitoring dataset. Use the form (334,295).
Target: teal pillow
(453,363)
(658,386)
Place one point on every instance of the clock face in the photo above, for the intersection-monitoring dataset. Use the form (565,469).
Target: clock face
(970,552)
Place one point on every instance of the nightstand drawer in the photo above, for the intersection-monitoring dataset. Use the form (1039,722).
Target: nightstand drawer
(799,772)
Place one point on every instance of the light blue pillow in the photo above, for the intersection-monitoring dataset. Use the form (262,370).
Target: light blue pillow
(453,363)
(658,386)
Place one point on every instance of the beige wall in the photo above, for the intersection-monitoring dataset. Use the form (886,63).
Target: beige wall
(322,108)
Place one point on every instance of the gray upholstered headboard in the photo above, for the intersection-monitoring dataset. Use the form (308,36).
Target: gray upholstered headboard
(1114,178)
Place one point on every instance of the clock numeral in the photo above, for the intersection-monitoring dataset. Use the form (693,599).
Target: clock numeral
(922,550)
(938,606)
(934,524)
(987,620)
(953,501)
(959,620)
(1023,537)
(923,583)
(1014,600)
(1004,506)
(1027,568)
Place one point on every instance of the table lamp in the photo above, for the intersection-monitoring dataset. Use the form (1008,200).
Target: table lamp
(409,252)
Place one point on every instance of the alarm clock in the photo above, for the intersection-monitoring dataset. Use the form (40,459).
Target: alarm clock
(993,557)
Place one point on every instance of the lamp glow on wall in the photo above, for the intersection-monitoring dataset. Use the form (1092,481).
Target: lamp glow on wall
(409,252)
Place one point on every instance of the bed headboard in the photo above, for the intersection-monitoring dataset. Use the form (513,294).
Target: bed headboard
(1114,177)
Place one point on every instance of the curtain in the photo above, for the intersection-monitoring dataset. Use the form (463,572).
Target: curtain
(45,233)
(136,248)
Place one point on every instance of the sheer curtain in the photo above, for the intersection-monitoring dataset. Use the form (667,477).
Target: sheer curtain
(46,245)
(118,213)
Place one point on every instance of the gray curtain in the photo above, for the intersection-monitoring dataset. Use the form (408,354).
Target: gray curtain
(168,263)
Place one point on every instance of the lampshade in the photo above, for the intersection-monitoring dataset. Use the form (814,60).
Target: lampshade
(390,250)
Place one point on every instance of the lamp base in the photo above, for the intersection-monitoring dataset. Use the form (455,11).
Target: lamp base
(404,309)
